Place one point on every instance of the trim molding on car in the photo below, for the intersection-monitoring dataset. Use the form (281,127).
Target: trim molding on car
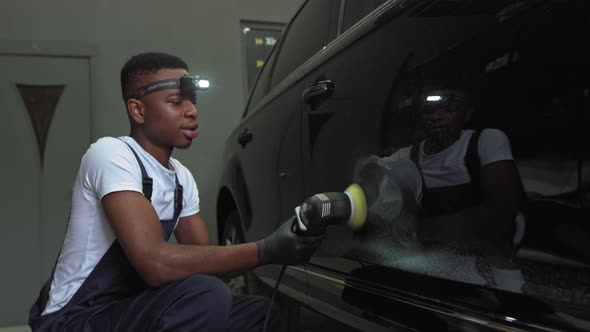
(327,309)
(355,32)
(448,310)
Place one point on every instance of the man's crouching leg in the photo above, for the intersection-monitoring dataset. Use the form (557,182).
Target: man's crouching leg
(197,303)
(201,303)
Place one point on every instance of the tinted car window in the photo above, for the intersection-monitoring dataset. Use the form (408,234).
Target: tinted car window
(354,11)
(520,222)
(482,173)
(307,34)
(466,122)
(262,83)
(450,8)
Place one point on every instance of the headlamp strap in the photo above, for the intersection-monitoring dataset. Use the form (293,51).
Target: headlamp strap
(156,86)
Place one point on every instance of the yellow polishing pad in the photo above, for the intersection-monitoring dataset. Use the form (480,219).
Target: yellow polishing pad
(358,206)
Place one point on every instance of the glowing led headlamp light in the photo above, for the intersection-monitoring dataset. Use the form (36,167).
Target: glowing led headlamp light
(188,85)
(448,101)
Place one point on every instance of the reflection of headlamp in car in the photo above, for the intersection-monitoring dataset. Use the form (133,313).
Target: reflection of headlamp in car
(448,101)
(188,85)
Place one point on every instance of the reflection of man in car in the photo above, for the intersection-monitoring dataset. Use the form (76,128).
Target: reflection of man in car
(471,188)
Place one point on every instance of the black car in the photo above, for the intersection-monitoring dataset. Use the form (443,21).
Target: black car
(349,86)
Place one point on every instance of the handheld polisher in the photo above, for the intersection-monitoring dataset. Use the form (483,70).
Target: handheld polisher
(331,208)
(324,209)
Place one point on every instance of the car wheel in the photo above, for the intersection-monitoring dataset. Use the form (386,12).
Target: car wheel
(232,235)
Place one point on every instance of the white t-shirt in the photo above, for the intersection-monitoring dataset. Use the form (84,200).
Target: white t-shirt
(109,166)
(447,168)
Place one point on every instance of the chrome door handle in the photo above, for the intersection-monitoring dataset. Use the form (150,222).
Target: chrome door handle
(317,93)
(245,137)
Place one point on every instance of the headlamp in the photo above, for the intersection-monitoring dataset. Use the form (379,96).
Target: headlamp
(447,101)
(188,86)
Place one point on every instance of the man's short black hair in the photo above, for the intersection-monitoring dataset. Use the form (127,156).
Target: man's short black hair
(147,64)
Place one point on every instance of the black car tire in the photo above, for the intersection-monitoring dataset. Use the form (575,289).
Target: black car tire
(232,235)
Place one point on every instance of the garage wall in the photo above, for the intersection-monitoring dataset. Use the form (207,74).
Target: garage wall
(205,33)
(103,34)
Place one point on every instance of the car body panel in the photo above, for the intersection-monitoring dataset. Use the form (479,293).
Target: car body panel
(517,50)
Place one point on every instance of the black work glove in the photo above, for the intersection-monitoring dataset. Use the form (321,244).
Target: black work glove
(283,246)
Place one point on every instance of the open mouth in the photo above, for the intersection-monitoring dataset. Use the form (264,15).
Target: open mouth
(190,131)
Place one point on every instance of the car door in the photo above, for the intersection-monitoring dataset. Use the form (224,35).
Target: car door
(269,134)
(525,67)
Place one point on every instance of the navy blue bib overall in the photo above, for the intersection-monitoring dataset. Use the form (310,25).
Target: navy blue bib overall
(114,297)
(450,199)
(455,198)
(113,277)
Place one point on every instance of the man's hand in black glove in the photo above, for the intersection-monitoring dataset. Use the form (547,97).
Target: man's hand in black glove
(283,246)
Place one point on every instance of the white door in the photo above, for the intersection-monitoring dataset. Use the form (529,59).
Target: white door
(44,130)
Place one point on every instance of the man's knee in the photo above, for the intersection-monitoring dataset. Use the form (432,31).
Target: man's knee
(204,301)
(208,287)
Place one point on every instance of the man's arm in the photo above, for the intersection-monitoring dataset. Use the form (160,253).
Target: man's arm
(138,230)
(192,230)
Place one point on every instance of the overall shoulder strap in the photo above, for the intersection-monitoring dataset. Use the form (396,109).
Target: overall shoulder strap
(178,197)
(472,161)
(415,158)
(414,154)
(146,182)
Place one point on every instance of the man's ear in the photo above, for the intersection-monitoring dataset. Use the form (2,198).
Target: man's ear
(135,108)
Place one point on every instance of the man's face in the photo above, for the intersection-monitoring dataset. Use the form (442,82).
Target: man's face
(443,121)
(169,118)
